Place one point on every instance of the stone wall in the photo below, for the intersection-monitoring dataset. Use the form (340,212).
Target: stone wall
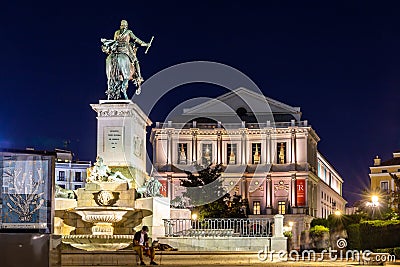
(217,243)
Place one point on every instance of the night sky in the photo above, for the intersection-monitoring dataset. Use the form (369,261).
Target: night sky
(338,61)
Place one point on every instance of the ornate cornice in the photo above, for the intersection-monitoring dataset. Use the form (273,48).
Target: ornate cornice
(115,113)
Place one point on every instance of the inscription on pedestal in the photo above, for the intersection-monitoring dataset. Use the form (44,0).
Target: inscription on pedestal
(113,139)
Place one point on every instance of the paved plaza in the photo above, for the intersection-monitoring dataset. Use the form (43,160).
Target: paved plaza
(186,259)
(269,264)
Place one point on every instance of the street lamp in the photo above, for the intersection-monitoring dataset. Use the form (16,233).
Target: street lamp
(288,228)
(338,213)
(373,204)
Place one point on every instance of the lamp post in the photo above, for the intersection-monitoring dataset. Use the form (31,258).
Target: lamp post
(373,204)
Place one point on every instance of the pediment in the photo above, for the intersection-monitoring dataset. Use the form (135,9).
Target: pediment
(242,98)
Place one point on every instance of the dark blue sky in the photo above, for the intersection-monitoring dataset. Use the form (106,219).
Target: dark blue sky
(338,60)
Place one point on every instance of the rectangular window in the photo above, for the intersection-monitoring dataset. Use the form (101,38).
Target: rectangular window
(384,185)
(319,169)
(281,207)
(231,150)
(281,153)
(77,186)
(61,176)
(256,153)
(256,208)
(384,171)
(78,177)
(206,154)
(182,153)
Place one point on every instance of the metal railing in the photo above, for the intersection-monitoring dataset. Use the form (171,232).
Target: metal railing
(238,227)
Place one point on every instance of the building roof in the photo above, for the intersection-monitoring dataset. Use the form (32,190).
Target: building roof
(27,151)
(390,162)
(242,104)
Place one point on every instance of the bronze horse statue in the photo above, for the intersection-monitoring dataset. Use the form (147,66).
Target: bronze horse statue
(120,69)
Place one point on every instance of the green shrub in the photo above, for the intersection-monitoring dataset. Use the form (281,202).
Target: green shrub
(318,231)
(396,252)
(319,221)
(288,234)
(344,221)
(379,234)
(391,251)
(353,234)
(384,250)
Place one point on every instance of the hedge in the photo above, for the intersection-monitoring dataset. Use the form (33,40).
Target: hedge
(391,251)
(353,240)
(379,234)
(318,231)
(319,221)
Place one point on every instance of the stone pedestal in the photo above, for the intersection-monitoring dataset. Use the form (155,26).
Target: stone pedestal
(161,210)
(278,241)
(121,136)
(124,197)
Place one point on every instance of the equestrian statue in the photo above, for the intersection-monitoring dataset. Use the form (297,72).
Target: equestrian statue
(122,64)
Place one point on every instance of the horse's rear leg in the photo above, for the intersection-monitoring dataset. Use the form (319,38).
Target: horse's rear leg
(124,87)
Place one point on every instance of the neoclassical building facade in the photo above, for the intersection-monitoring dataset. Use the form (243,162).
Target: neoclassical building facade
(269,154)
(381,179)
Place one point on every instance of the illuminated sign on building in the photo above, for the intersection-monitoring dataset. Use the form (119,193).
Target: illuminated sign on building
(26,191)
(301,192)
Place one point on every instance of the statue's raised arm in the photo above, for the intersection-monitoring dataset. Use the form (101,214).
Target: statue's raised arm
(122,64)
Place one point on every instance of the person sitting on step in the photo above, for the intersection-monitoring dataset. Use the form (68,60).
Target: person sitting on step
(141,246)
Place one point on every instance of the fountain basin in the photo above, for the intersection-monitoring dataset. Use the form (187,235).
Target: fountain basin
(98,242)
(102,217)
(101,214)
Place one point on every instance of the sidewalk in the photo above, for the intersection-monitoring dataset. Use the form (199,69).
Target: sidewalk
(187,259)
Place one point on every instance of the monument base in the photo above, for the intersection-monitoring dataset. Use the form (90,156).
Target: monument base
(161,210)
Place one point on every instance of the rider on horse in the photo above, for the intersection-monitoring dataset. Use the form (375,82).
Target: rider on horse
(121,63)
(123,36)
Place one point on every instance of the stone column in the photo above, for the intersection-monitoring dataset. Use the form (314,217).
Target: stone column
(278,241)
(268,143)
(278,225)
(306,192)
(293,191)
(155,140)
(268,190)
(243,146)
(169,147)
(220,148)
(244,188)
(194,145)
(293,148)
(170,187)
